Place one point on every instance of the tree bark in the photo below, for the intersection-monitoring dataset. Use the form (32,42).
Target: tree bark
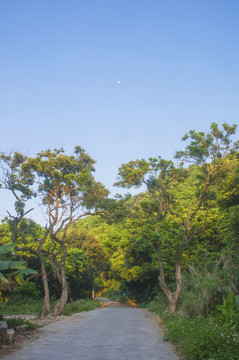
(46,306)
(171,296)
(61,303)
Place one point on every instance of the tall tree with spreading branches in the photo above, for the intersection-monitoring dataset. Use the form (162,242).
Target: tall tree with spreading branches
(68,191)
(162,178)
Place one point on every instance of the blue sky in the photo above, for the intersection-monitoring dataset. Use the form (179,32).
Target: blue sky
(61,60)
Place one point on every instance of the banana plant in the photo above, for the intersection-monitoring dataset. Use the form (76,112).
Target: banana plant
(12,270)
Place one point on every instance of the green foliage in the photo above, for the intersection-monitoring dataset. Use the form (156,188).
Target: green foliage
(202,339)
(197,338)
(78,274)
(213,145)
(27,290)
(203,289)
(12,269)
(158,304)
(66,180)
(80,305)
(229,310)
(187,219)
(17,179)
(15,322)
(20,306)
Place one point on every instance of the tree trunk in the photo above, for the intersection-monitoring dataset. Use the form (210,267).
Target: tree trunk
(173,300)
(61,303)
(46,306)
(172,297)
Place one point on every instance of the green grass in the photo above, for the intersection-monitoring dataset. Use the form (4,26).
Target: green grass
(13,323)
(202,339)
(27,307)
(198,338)
(158,305)
(80,305)
(22,306)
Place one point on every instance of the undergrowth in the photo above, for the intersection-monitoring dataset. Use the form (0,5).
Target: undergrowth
(20,307)
(80,305)
(202,339)
(13,323)
(199,338)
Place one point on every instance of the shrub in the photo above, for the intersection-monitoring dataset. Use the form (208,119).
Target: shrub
(203,290)
(229,311)
(27,290)
(158,304)
(203,339)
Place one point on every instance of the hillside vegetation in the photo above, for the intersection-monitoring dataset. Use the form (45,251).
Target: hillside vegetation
(172,248)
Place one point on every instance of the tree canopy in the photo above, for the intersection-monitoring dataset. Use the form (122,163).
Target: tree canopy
(178,235)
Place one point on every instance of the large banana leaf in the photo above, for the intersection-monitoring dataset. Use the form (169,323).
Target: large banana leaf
(12,265)
(6,248)
(12,269)
(4,282)
(19,275)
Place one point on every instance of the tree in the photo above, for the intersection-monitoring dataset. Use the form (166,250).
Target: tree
(164,209)
(18,180)
(94,252)
(67,191)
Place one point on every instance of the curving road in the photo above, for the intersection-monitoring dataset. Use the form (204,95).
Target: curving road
(115,332)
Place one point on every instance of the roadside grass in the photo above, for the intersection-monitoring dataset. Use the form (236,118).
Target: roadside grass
(80,305)
(28,306)
(199,338)
(16,322)
(21,306)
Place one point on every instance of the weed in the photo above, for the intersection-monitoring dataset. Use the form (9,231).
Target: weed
(13,323)
(229,310)
(203,339)
(80,305)
(20,306)
(198,338)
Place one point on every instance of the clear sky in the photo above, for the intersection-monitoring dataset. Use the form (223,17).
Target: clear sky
(125,79)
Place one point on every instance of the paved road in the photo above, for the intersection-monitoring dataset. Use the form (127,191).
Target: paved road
(110,333)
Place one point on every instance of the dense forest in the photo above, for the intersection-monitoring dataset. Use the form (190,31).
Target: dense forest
(175,243)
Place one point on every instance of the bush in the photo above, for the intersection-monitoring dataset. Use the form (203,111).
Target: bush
(27,290)
(203,290)
(158,304)
(202,339)
(198,338)
(229,311)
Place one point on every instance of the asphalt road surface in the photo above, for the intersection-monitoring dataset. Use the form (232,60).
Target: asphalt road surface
(110,333)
